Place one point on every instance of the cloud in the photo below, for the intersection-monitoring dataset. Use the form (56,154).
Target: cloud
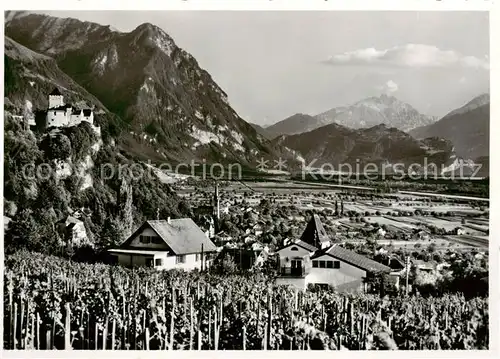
(409,55)
(389,87)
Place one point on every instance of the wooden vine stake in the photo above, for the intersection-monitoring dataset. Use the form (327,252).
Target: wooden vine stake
(244,337)
(190,324)
(210,328)
(146,338)
(172,322)
(96,335)
(14,329)
(38,331)
(67,328)
(113,333)
(269,320)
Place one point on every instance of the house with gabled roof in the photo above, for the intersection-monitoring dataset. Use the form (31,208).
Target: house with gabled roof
(166,244)
(301,262)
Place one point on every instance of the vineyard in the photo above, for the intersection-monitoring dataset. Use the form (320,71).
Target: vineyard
(51,303)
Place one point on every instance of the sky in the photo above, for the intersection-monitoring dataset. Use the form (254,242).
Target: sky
(275,64)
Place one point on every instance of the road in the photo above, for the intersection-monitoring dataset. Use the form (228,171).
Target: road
(402,192)
(445,195)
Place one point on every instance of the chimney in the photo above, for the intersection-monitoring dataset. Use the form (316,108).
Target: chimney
(168,219)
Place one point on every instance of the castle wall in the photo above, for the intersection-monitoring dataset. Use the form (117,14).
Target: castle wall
(89,119)
(57,118)
(76,118)
(55,101)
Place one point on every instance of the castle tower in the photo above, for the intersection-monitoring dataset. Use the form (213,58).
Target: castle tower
(56,99)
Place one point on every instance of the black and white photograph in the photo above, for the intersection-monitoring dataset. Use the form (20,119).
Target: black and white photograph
(246,180)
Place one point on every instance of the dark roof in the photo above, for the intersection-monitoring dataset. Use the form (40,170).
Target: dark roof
(182,236)
(60,108)
(304,245)
(314,233)
(87,112)
(352,258)
(69,220)
(301,244)
(56,92)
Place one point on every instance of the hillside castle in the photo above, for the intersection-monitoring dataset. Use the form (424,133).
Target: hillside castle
(65,115)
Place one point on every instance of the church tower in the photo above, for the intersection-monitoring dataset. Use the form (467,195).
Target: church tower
(56,99)
(216,203)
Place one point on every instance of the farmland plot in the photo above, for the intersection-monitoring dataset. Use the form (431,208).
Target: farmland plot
(389,222)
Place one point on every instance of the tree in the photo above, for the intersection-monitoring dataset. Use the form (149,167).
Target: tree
(112,234)
(56,147)
(126,213)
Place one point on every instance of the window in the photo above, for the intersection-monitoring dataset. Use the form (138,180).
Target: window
(329,264)
(180,259)
(145,239)
(322,264)
(158,262)
(294,249)
(149,262)
(150,239)
(336,264)
(315,264)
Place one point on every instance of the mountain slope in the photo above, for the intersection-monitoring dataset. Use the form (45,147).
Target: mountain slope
(294,124)
(31,76)
(336,145)
(366,113)
(468,128)
(261,130)
(173,109)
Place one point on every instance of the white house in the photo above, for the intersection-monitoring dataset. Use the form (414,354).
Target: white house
(313,259)
(73,230)
(60,114)
(166,244)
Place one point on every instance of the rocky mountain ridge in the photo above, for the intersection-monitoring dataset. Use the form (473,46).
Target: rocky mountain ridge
(467,127)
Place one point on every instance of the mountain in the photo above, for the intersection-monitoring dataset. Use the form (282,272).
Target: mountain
(169,107)
(379,145)
(292,125)
(467,127)
(374,111)
(366,113)
(261,130)
(30,76)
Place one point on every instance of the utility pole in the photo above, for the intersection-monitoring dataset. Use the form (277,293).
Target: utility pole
(407,273)
(202,258)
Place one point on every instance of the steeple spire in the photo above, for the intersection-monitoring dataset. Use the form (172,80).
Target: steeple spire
(216,203)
